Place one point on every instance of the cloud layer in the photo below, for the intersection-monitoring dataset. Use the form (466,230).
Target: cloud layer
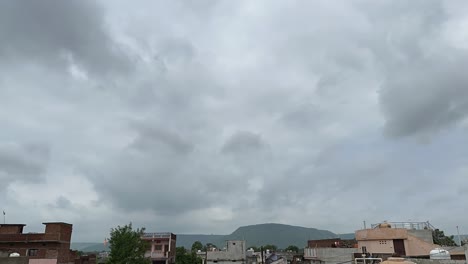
(201,117)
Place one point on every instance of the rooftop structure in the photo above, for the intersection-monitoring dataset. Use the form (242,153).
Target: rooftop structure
(51,246)
(162,247)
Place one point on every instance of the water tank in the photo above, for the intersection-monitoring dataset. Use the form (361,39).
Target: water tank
(439,253)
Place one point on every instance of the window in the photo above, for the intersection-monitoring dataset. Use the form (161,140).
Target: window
(383,242)
(32,252)
(158,247)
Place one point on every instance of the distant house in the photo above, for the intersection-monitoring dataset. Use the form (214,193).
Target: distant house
(235,252)
(162,247)
(330,251)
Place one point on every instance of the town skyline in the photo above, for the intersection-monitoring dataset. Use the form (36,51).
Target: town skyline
(203,116)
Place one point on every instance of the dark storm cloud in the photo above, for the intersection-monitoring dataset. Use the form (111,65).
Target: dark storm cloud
(237,112)
(52,32)
(424,85)
(426,97)
(23,162)
(155,159)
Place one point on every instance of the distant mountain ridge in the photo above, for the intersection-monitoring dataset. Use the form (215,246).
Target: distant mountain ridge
(255,235)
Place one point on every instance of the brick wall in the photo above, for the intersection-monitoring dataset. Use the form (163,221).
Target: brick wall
(17,260)
(52,245)
(11,229)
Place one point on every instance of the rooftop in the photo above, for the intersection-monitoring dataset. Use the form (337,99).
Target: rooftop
(158,235)
(406,225)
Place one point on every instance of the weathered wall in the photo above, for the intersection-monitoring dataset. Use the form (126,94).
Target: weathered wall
(235,252)
(418,247)
(436,261)
(423,234)
(16,260)
(330,255)
(466,252)
(381,233)
(377,246)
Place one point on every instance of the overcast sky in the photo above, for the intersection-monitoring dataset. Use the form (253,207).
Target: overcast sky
(202,116)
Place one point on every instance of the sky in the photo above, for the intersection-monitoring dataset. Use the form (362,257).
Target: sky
(203,116)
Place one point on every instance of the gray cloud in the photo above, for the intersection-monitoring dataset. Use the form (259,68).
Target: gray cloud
(424,86)
(243,143)
(23,162)
(426,98)
(236,112)
(57,33)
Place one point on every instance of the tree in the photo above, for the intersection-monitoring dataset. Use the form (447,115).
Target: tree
(184,257)
(292,248)
(255,249)
(441,239)
(197,245)
(270,247)
(126,246)
(209,247)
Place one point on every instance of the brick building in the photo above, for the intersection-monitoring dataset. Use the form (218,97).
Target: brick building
(162,247)
(50,247)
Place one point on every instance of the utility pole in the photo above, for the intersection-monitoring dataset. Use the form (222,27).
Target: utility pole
(261,254)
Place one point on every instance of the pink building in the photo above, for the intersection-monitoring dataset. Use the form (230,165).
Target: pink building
(162,249)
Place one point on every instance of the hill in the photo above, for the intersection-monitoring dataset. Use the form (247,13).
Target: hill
(89,247)
(254,235)
(262,234)
(186,241)
(277,234)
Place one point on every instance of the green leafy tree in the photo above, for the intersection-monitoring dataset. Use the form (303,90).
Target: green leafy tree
(209,247)
(197,245)
(270,247)
(126,246)
(184,257)
(256,249)
(441,239)
(292,248)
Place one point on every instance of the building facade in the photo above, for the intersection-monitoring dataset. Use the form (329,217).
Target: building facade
(330,251)
(50,247)
(162,247)
(235,252)
(401,239)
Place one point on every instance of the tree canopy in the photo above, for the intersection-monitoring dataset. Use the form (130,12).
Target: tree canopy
(292,248)
(184,257)
(441,239)
(209,247)
(126,246)
(270,247)
(197,245)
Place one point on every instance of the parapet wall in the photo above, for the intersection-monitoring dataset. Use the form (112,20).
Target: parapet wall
(437,261)
(15,260)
